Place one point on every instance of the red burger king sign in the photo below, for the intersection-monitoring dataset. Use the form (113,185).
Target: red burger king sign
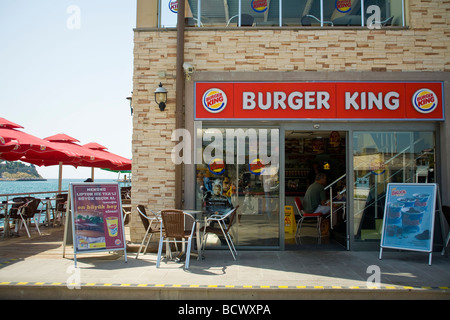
(319,100)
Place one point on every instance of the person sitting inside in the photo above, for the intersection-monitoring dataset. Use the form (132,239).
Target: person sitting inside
(315,199)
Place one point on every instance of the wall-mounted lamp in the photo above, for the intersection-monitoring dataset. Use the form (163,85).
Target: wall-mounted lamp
(161,97)
(130,97)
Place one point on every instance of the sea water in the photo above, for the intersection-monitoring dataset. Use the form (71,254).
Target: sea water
(11,187)
(8,187)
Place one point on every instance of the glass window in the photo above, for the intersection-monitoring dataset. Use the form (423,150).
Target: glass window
(342,13)
(383,13)
(378,159)
(211,13)
(240,167)
(339,13)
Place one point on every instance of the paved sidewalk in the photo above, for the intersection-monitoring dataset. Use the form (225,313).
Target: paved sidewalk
(30,268)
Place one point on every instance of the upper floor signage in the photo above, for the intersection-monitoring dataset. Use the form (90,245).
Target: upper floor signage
(319,100)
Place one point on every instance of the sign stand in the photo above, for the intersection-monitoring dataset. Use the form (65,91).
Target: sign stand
(409,216)
(94,216)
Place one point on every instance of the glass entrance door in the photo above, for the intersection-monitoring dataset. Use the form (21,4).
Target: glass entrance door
(306,155)
(240,166)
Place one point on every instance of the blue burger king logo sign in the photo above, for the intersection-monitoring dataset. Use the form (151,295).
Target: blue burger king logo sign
(425,101)
(214,100)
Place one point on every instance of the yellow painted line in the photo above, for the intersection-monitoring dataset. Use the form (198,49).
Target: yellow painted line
(390,287)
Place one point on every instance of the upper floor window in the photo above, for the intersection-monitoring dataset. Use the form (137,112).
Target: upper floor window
(247,13)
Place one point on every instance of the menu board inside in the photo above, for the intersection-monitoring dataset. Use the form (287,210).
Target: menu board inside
(97,217)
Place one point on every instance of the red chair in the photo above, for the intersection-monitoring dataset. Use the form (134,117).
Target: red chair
(304,215)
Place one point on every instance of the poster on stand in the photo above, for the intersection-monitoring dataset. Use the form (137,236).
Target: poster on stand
(408,222)
(97,222)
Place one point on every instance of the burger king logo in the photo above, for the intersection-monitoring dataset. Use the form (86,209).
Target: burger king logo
(259,5)
(216,166)
(214,100)
(173,6)
(256,167)
(343,5)
(424,101)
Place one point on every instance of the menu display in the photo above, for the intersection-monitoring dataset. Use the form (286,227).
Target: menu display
(409,216)
(97,217)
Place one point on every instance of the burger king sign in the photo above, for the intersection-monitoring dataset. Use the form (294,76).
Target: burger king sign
(343,5)
(214,100)
(424,101)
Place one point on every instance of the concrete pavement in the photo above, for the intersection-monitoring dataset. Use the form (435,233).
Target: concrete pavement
(35,269)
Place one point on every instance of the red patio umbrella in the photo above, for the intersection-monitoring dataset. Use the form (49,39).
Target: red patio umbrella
(15,144)
(88,157)
(120,162)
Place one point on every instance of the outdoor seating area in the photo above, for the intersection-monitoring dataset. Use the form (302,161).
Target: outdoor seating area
(182,227)
(23,211)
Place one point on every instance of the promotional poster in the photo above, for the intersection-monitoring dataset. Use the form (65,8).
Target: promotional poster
(97,217)
(409,216)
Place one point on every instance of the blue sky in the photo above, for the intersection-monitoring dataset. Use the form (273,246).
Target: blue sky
(69,71)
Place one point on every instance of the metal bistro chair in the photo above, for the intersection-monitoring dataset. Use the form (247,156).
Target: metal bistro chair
(246,20)
(174,223)
(147,222)
(309,19)
(222,229)
(60,208)
(25,212)
(304,215)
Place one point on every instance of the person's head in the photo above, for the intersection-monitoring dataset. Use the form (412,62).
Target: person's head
(321,178)
(217,189)
(226,183)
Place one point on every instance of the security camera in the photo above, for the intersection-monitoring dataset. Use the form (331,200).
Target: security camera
(188,68)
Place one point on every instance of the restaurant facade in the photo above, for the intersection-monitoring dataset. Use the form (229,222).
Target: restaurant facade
(264,94)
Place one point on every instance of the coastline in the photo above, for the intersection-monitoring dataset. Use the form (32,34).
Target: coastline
(24,179)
